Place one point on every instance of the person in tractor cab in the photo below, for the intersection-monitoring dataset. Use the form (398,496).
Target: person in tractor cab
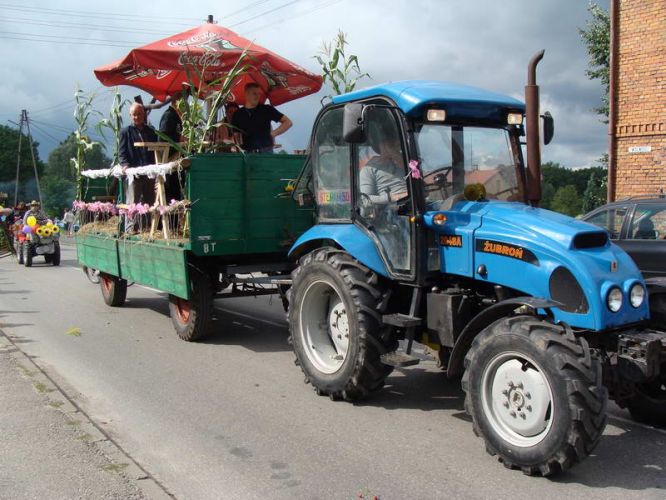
(254,122)
(382,179)
(36,211)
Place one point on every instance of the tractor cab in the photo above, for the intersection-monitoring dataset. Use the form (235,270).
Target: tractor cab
(383,158)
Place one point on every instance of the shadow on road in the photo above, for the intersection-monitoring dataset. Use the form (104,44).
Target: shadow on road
(419,389)
(235,329)
(15,291)
(227,328)
(629,456)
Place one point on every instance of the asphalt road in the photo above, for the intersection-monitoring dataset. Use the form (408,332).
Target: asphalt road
(230,417)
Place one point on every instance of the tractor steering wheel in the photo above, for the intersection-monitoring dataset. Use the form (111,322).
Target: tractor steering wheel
(438,177)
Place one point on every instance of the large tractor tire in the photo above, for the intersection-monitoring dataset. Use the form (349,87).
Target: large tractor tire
(192,318)
(335,308)
(649,402)
(535,394)
(55,258)
(28,254)
(114,289)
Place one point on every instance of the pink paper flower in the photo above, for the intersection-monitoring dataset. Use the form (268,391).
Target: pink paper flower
(414,169)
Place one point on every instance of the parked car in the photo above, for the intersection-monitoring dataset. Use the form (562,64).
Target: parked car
(638,225)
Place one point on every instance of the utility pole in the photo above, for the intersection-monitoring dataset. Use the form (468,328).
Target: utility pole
(24,120)
(18,159)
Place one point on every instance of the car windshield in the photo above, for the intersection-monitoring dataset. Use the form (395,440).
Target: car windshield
(452,157)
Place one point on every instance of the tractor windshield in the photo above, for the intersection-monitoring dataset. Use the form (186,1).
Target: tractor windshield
(452,157)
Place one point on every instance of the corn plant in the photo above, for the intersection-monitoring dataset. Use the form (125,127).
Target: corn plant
(82,112)
(199,123)
(339,70)
(114,123)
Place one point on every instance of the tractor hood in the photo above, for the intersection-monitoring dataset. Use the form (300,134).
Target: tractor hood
(542,254)
(543,225)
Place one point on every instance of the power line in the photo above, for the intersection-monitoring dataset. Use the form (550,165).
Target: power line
(97,14)
(44,132)
(245,9)
(57,127)
(264,13)
(64,42)
(296,16)
(66,25)
(67,37)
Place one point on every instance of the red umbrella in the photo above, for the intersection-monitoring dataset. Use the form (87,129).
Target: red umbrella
(211,50)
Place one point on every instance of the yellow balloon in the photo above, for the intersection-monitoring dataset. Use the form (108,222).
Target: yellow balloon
(31,221)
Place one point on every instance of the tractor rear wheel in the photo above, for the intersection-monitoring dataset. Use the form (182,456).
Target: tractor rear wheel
(535,395)
(191,318)
(335,325)
(114,289)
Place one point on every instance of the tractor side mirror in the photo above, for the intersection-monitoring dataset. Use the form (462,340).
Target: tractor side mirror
(352,123)
(548,127)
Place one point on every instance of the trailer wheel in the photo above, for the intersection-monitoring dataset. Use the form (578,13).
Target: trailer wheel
(114,289)
(191,318)
(649,402)
(27,254)
(55,259)
(335,325)
(91,274)
(534,394)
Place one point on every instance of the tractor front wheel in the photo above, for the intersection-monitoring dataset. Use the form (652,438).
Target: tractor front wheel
(335,325)
(535,395)
(114,289)
(191,318)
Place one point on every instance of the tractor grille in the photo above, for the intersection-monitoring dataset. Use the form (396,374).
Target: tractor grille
(564,288)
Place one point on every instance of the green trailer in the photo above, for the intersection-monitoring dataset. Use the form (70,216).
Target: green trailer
(242,220)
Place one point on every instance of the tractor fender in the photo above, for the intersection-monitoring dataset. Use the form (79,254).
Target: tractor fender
(485,318)
(349,237)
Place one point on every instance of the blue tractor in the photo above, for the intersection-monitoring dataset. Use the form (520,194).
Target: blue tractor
(427,230)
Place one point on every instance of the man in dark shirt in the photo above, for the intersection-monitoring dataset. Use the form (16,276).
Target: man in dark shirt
(143,188)
(171,125)
(253,122)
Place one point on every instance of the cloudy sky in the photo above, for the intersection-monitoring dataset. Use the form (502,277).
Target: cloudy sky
(47,48)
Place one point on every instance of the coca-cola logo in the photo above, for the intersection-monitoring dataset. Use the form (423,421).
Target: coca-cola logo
(207,59)
(198,38)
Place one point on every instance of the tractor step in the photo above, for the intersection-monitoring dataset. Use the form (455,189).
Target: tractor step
(399,359)
(401,320)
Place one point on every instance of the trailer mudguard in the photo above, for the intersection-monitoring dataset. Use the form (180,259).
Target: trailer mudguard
(348,237)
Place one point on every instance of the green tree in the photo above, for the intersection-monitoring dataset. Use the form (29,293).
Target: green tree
(340,71)
(58,194)
(567,201)
(595,193)
(597,41)
(9,139)
(60,159)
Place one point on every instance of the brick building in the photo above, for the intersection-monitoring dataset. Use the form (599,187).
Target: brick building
(637,98)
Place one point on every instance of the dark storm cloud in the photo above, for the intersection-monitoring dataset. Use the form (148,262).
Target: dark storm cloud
(486,43)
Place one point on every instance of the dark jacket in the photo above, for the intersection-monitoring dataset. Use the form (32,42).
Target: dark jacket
(131,156)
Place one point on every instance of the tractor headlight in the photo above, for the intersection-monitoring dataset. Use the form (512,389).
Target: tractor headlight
(614,299)
(636,295)
(514,118)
